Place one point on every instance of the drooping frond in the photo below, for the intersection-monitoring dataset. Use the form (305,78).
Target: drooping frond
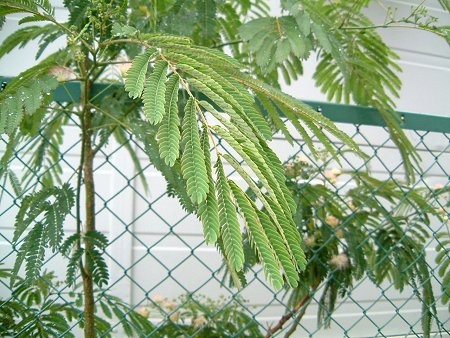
(301,112)
(208,209)
(443,261)
(39,9)
(47,209)
(229,224)
(154,93)
(27,92)
(231,112)
(31,251)
(23,36)
(256,232)
(25,100)
(134,83)
(97,264)
(193,165)
(176,186)
(169,129)
(272,226)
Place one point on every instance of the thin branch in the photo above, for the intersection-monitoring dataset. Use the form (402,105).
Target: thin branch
(229,43)
(288,316)
(397,24)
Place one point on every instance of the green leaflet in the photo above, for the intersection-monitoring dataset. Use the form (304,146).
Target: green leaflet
(169,131)
(123,30)
(263,245)
(279,173)
(267,106)
(208,209)
(193,167)
(134,83)
(229,224)
(23,36)
(32,251)
(280,248)
(55,204)
(259,157)
(97,265)
(73,266)
(24,96)
(283,224)
(254,158)
(154,93)
(300,111)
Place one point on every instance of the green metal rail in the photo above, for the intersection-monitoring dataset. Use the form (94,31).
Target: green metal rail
(343,113)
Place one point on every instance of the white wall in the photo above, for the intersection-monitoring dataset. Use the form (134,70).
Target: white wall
(426,74)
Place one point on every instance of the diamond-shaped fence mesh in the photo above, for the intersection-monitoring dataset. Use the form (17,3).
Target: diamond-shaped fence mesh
(160,266)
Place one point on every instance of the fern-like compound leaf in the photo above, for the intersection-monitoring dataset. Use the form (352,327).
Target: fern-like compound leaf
(34,249)
(56,214)
(134,83)
(229,224)
(24,96)
(73,266)
(193,165)
(281,249)
(169,131)
(276,222)
(31,208)
(97,239)
(69,243)
(259,238)
(23,36)
(155,93)
(54,204)
(208,209)
(97,265)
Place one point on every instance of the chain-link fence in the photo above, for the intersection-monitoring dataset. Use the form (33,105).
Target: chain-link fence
(366,235)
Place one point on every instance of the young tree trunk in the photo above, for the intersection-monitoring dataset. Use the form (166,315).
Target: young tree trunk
(89,224)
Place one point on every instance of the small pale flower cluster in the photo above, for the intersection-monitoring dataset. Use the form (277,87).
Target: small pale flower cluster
(143,311)
(309,240)
(438,186)
(167,305)
(294,168)
(302,159)
(332,221)
(123,64)
(332,175)
(340,262)
(163,302)
(62,73)
(199,321)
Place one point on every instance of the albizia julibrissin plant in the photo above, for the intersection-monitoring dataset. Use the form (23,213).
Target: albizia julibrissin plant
(181,93)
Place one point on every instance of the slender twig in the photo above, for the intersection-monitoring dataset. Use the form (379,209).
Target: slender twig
(288,316)
(228,43)
(297,319)
(396,24)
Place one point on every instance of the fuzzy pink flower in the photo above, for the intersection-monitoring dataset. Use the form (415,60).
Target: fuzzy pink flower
(332,221)
(340,262)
